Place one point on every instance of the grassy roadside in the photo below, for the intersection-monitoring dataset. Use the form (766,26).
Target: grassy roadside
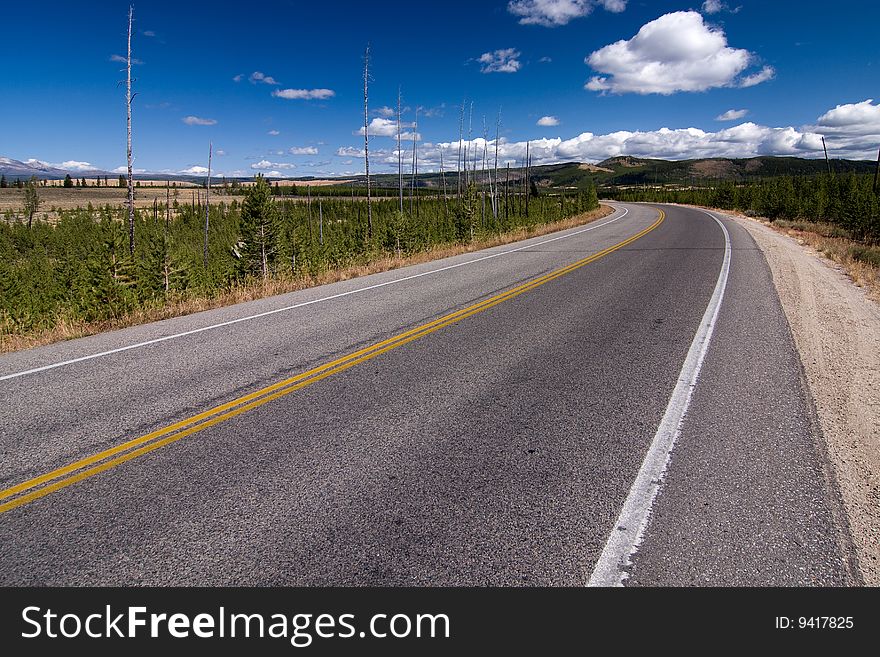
(66,330)
(860,261)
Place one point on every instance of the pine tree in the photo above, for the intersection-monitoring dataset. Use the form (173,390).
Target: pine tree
(259,229)
(68,181)
(3,184)
(122,182)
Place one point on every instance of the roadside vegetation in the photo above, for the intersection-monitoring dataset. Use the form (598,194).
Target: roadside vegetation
(77,275)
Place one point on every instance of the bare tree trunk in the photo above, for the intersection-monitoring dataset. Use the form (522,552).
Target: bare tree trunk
(309,205)
(506,195)
(495,195)
(399,155)
(265,258)
(827,161)
(412,186)
(208,204)
(167,204)
(443,180)
(877,172)
(128,98)
(320,223)
(367,140)
(460,139)
(528,174)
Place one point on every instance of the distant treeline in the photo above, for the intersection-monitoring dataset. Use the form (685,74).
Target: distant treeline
(848,200)
(79,268)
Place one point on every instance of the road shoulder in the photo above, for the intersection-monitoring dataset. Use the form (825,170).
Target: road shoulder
(837,332)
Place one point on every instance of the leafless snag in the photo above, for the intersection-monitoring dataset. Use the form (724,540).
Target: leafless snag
(367,141)
(128,99)
(208,203)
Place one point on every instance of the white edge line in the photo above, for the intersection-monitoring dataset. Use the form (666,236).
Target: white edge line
(175,336)
(629,528)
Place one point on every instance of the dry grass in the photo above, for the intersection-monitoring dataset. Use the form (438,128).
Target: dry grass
(861,262)
(65,329)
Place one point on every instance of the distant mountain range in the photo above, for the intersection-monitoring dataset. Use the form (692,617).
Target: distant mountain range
(623,170)
(15,169)
(627,170)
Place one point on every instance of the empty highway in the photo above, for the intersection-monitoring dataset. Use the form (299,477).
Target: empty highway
(620,403)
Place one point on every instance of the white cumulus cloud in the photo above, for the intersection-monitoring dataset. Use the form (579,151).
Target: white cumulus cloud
(258,76)
(676,52)
(548,121)
(304,94)
(196,170)
(266,165)
(74,165)
(505,60)
(766,73)
(273,133)
(303,150)
(553,13)
(732,115)
(197,120)
(852,131)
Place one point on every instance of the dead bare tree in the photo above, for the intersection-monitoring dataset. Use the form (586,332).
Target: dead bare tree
(415,163)
(128,99)
(877,172)
(528,176)
(367,140)
(167,203)
(827,161)
(399,154)
(460,139)
(443,180)
(495,194)
(208,204)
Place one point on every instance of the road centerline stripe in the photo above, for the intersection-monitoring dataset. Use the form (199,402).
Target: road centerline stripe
(628,530)
(62,477)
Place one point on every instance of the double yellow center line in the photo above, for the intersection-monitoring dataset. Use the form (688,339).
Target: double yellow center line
(50,482)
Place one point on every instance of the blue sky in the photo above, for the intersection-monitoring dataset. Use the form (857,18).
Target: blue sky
(574,63)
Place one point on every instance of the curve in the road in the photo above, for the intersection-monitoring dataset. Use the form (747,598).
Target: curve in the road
(48,483)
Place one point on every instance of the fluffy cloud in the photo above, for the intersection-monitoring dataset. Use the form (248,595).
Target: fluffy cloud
(273,133)
(266,165)
(304,94)
(303,150)
(676,52)
(348,151)
(856,119)
(238,78)
(386,111)
(122,60)
(548,121)
(74,165)
(766,73)
(380,127)
(717,6)
(194,171)
(197,120)
(553,13)
(257,76)
(505,60)
(732,115)
(851,131)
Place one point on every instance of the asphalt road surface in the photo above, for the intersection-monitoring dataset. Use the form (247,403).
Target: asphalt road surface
(481,420)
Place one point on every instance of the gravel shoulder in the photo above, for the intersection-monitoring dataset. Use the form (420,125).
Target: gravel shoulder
(836,328)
